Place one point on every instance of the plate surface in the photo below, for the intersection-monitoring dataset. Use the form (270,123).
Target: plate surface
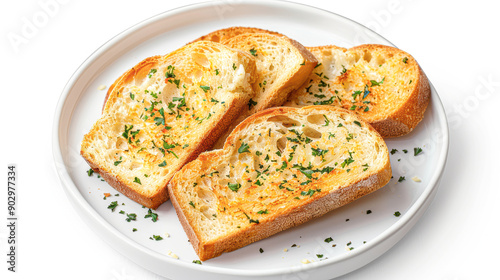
(358,237)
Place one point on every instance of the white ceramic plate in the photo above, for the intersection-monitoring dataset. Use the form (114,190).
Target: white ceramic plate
(359,237)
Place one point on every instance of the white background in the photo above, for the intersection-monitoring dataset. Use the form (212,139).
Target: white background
(455,42)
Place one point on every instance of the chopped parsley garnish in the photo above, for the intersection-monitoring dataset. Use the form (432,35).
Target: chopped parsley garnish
(234,187)
(393,151)
(251,103)
(368,212)
(152,215)
(261,250)
(417,151)
(253,52)
(405,60)
(197,261)
(254,221)
(204,88)
(170,72)
(319,256)
(234,66)
(327,121)
(310,192)
(397,214)
(325,102)
(347,161)
(163,164)
(243,148)
(131,217)
(375,83)
(117,162)
(356,94)
(357,123)
(156,237)
(343,70)
(113,205)
(137,180)
(192,204)
(318,152)
(401,179)
(90,172)
(263,212)
(160,120)
(328,240)
(151,72)
(405,151)
(132,96)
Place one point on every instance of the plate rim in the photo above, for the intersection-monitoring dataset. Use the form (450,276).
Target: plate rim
(92,217)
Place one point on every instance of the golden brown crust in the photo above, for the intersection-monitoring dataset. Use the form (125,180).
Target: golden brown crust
(227,33)
(297,213)
(398,117)
(140,70)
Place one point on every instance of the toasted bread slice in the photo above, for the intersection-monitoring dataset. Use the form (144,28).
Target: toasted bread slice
(382,84)
(164,112)
(279,168)
(283,65)
(225,34)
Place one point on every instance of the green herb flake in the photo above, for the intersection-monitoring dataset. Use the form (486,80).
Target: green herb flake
(113,205)
(90,172)
(117,162)
(234,187)
(261,250)
(197,261)
(152,215)
(397,214)
(204,88)
(405,60)
(243,148)
(357,123)
(131,217)
(401,179)
(137,180)
(375,83)
(319,256)
(328,240)
(263,212)
(192,204)
(151,72)
(251,103)
(163,164)
(368,212)
(253,52)
(393,151)
(417,151)
(156,238)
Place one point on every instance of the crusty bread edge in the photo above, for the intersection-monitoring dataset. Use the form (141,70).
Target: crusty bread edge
(129,75)
(233,31)
(325,203)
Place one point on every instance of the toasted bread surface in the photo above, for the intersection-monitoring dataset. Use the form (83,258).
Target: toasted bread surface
(222,35)
(383,84)
(165,111)
(279,168)
(283,65)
